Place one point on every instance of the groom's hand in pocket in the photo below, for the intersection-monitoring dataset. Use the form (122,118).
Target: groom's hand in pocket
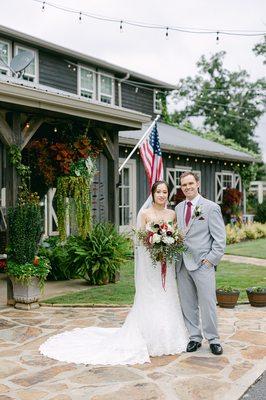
(207,262)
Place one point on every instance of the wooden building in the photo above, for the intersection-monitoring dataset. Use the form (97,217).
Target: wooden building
(182,151)
(62,85)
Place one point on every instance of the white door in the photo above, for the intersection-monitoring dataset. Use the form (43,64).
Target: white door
(127,196)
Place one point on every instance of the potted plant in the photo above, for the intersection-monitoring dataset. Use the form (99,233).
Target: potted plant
(257,296)
(227,296)
(26,271)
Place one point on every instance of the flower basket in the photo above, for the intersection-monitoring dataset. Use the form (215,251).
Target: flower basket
(227,298)
(256,296)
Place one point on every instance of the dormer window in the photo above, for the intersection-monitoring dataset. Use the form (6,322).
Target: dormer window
(86,83)
(157,102)
(106,88)
(31,72)
(5,54)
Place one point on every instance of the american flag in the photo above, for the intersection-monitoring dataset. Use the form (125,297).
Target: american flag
(151,155)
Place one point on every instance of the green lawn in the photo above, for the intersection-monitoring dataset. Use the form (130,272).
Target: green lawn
(250,248)
(239,276)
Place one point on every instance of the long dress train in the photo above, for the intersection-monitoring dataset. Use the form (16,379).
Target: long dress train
(153,327)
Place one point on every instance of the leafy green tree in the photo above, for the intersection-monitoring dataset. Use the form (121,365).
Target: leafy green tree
(260,49)
(228,101)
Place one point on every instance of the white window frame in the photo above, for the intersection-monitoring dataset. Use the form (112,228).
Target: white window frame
(112,97)
(36,57)
(236,181)
(9,57)
(179,168)
(156,102)
(89,69)
(131,164)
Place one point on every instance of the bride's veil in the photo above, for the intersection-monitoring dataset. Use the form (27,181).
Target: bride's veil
(138,254)
(147,204)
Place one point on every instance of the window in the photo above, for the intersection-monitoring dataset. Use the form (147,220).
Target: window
(5,53)
(31,72)
(86,82)
(127,195)
(106,89)
(224,180)
(173,179)
(157,102)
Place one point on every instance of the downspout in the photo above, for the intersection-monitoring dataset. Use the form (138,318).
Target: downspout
(119,88)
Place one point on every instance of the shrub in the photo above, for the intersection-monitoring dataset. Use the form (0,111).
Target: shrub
(231,204)
(24,232)
(261,213)
(100,255)
(61,263)
(236,234)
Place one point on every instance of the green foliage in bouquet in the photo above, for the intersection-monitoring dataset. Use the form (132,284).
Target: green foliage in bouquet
(101,254)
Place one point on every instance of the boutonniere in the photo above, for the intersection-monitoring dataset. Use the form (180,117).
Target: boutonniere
(197,211)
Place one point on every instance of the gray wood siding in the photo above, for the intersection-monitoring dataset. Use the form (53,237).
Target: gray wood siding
(54,72)
(99,191)
(141,101)
(207,169)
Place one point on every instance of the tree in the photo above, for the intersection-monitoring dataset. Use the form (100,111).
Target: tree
(260,49)
(228,101)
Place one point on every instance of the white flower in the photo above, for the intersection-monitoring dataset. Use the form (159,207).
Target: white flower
(168,240)
(156,238)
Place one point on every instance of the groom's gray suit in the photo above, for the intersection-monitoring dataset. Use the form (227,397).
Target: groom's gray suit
(205,238)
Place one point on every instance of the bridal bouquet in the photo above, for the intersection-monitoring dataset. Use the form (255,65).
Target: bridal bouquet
(164,243)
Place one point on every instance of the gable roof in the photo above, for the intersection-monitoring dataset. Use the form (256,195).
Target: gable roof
(80,57)
(182,142)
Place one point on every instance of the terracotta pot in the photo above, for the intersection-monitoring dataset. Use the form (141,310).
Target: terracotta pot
(256,299)
(227,299)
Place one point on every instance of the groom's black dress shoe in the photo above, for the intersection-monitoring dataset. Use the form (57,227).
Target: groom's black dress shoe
(216,349)
(193,346)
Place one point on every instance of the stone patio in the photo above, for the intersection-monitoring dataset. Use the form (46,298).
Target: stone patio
(25,374)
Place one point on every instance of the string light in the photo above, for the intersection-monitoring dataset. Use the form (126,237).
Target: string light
(196,160)
(136,90)
(211,162)
(43,6)
(55,129)
(178,158)
(203,161)
(126,150)
(169,156)
(27,125)
(138,24)
(105,139)
(224,163)
(187,159)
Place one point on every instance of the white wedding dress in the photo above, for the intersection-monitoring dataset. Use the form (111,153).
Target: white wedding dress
(153,327)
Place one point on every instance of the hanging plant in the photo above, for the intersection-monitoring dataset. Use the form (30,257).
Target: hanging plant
(77,187)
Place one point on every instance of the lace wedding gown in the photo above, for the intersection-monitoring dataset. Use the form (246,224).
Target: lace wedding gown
(153,327)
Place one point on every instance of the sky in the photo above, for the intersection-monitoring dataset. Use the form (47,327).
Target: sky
(148,51)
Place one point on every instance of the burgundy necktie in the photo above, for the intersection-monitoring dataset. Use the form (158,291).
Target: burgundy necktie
(188,212)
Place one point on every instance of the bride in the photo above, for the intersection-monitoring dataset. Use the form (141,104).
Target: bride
(154,325)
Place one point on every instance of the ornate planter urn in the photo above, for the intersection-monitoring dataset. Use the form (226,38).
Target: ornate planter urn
(26,295)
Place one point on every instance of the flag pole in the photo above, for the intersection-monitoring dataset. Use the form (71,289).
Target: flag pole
(139,142)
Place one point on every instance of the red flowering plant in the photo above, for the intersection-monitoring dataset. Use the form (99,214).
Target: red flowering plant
(51,160)
(164,241)
(231,205)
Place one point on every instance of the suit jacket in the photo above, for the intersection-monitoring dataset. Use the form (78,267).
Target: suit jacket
(205,235)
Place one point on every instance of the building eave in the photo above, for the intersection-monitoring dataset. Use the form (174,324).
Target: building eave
(35,98)
(34,41)
(187,151)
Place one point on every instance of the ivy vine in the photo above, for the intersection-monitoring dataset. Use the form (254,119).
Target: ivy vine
(78,189)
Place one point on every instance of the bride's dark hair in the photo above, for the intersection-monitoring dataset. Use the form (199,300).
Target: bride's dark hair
(156,184)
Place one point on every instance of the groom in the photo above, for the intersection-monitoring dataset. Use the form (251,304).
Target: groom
(202,223)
